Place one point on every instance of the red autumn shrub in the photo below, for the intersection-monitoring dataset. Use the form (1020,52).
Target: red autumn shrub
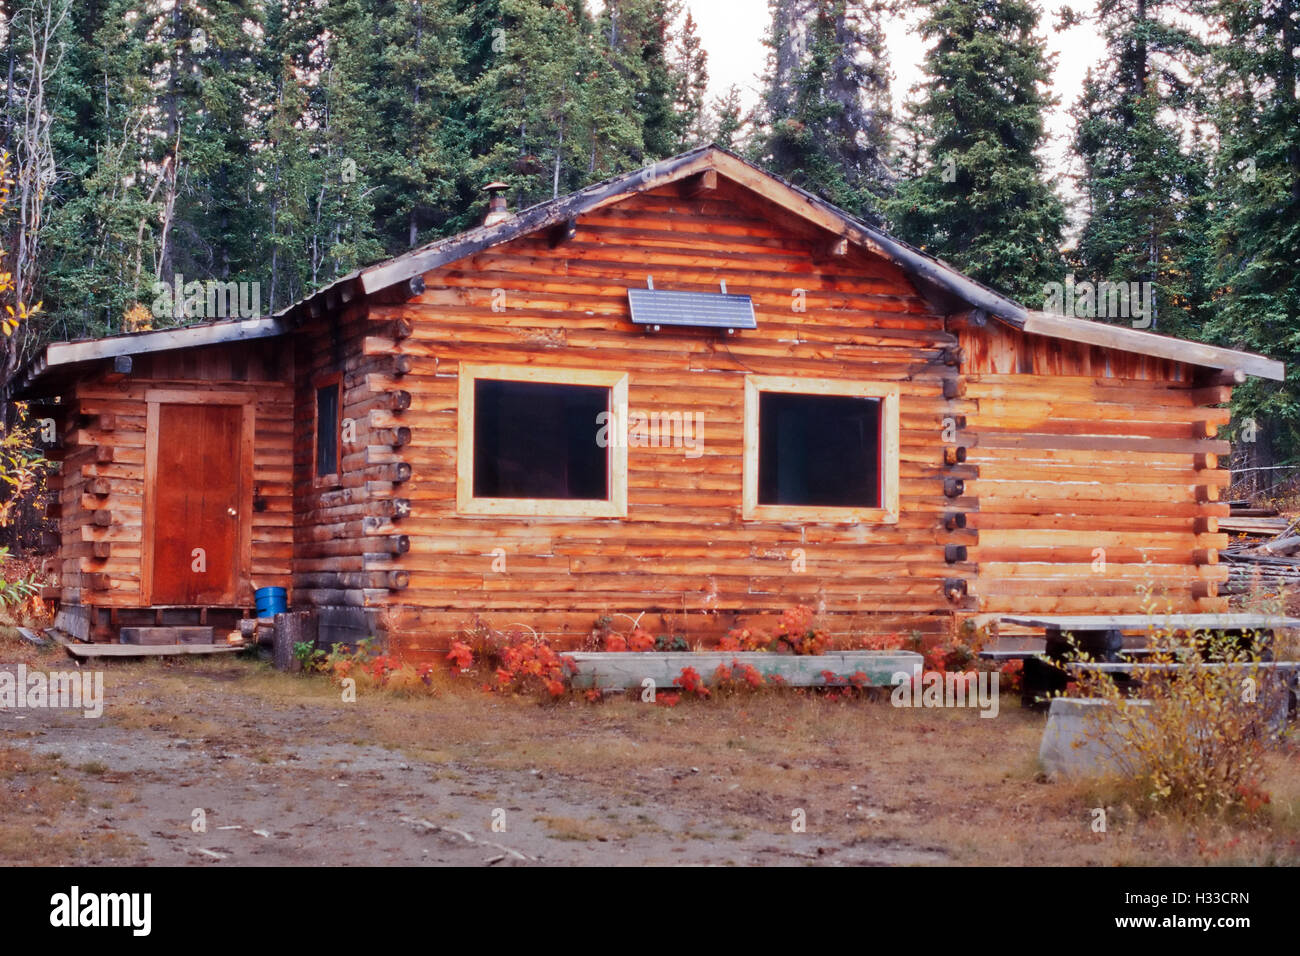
(640,640)
(797,632)
(882,642)
(1012,675)
(518,660)
(461,656)
(690,682)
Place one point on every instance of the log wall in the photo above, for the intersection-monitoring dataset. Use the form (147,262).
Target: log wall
(1079,449)
(101,481)
(682,554)
(1020,456)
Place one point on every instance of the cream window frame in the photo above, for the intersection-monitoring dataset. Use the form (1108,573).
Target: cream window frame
(614,506)
(888,393)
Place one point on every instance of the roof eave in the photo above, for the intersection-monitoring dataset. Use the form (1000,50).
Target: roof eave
(1127,339)
(62,354)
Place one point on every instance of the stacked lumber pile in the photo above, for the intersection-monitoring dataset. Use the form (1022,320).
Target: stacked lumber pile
(1265,550)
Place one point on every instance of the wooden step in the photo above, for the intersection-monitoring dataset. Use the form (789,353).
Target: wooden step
(155,636)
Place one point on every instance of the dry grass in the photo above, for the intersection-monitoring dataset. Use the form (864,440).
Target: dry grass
(946,780)
(945,785)
(44,809)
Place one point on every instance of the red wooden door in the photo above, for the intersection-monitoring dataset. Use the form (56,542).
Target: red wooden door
(196,511)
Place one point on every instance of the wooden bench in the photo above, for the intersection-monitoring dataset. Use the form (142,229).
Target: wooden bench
(1172,667)
(1101,637)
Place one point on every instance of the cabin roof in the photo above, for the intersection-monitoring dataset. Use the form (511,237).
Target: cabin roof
(62,362)
(946,289)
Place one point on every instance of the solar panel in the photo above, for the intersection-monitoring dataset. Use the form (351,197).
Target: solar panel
(710,310)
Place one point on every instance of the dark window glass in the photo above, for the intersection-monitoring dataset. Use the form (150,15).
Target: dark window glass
(818,450)
(537,440)
(327,430)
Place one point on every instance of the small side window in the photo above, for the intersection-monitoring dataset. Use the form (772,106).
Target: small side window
(328,407)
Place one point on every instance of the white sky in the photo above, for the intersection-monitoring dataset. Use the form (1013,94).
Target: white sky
(732,32)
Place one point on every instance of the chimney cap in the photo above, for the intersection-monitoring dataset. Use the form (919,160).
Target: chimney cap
(498,211)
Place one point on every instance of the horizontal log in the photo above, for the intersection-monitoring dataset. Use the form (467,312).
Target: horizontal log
(353,580)
(395,437)
(391,508)
(1213,395)
(1233,376)
(392,544)
(396,472)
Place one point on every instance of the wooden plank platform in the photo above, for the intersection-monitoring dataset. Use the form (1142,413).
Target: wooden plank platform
(27,634)
(1146,622)
(83,650)
(1126,666)
(165,636)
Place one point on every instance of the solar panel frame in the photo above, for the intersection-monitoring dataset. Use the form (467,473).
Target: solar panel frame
(706,310)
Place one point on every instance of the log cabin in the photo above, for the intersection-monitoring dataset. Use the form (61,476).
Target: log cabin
(694,392)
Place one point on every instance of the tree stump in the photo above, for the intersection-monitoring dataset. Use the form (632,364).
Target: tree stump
(293,628)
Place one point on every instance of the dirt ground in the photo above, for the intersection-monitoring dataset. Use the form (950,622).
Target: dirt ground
(281,771)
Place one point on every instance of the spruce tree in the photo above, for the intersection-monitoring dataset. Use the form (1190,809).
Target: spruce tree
(729,124)
(101,248)
(638,38)
(1256,232)
(1144,174)
(550,107)
(691,68)
(826,113)
(983,201)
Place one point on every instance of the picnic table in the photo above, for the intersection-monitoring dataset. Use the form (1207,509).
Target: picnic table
(1101,637)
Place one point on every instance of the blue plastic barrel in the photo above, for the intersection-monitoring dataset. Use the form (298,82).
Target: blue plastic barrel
(271,601)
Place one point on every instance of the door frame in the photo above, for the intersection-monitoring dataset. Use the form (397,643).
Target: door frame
(241,398)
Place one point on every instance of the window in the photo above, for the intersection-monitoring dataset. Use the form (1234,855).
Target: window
(820,450)
(328,426)
(541,442)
